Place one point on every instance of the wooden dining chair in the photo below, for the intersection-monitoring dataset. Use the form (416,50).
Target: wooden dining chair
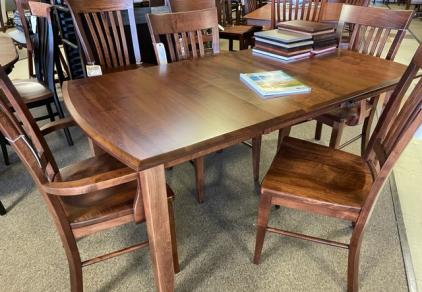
(286,10)
(186,36)
(100,26)
(41,91)
(326,181)
(242,33)
(84,198)
(373,28)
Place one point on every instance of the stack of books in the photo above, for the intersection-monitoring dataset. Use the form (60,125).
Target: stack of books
(322,34)
(283,45)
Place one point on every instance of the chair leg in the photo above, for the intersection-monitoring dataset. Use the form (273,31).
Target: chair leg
(261,226)
(173,237)
(256,156)
(2,209)
(366,130)
(242,43)
(50,112)
(285,132)
(4,150)
(353,261)
(199,176)
(318,130)
(336,134)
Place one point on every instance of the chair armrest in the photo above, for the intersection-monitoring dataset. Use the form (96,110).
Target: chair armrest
(57,125)
(90,184)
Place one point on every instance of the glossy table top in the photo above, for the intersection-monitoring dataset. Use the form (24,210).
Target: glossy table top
(175,112)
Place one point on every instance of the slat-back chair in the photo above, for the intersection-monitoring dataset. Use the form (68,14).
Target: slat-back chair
(373,29)
(86,197)
(101,30)
(286,10)
(185,33)
(22,6)
(41,91)
(312,178)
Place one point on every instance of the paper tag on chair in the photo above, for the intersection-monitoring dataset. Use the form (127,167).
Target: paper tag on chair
(161,53)
(93,70)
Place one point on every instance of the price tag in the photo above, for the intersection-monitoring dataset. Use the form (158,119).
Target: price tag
(93,70)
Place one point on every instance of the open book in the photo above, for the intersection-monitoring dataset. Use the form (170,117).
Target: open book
(273,84)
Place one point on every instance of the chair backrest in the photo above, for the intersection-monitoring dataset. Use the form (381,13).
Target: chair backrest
(45,45)
(185,33)
(372,28)
(102,23)
(399,121)
(27,140)
(189,5)
(22,6)
(249,6)
(286,10)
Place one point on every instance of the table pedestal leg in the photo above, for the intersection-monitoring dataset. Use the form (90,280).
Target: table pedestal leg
(153,186)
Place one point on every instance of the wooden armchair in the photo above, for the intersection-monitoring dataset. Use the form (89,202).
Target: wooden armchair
(372,27)
(100,26)
(185,35)
(286,10)
(86,197)
(41,91)
(318,179)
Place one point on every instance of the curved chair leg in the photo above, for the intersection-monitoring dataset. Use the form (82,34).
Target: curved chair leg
(336,134)
(285,132)
(256,156)
(261,226)
(318,130)
(2,209)
(173,237)
(199,176)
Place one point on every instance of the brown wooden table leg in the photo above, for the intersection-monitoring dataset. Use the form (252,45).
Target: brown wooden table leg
(153,186)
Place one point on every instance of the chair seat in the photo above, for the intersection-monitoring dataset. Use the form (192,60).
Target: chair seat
(32,91)
(316,178)
(237,30)
(99,206)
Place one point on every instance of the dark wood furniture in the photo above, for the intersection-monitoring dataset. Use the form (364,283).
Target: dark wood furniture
(373,27)
(262,16)
(161,116)
(184,34)
(41,92)
(243,33)
(285,10)
(22,6)
(322,180)
(8,54)
(101,30)
(93,195)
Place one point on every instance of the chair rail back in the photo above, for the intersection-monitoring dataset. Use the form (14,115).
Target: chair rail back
(372,27)
(185,33)
(286,10)
(26,139)
(102,23)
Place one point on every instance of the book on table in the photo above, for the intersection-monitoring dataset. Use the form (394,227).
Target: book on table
(286,46)
(306,27)
(273,83)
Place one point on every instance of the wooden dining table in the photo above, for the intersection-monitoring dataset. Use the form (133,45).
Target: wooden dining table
(8,53)
(262,16)
(157,117)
